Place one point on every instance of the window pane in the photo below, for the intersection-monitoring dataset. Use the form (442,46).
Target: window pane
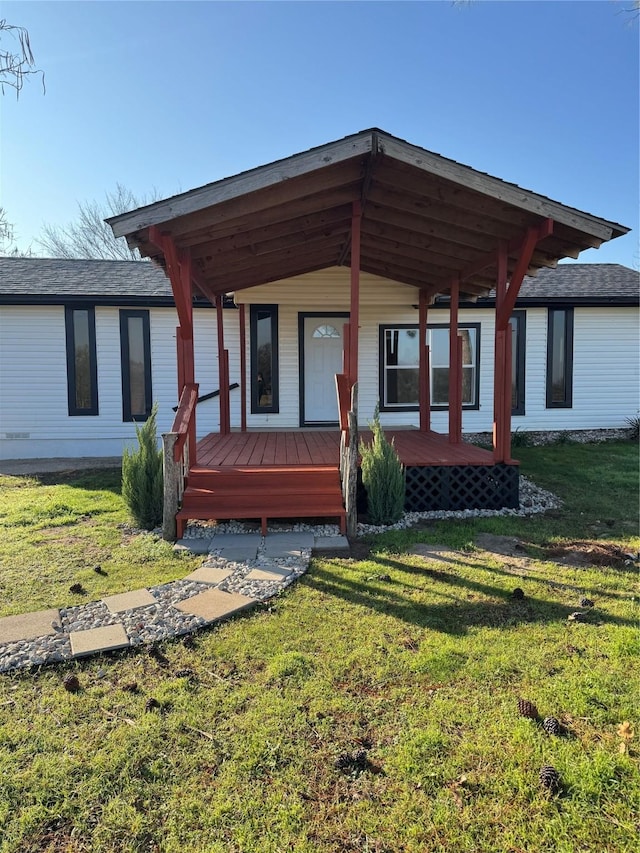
(440,347)
(82,359)
(264,342)
(402,386)
(558,357)
(137,385)
(326,331)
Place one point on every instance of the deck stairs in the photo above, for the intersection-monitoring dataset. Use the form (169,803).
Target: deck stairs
(250,492)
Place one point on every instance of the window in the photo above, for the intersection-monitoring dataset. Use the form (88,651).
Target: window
(399,370)
(263,331)
(518,326)
(135,355)
(560,358)
(82,370)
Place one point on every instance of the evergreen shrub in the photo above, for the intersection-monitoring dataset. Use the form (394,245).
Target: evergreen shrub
(383,476)
(142,486)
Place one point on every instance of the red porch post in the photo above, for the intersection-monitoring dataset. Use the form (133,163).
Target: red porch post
(424,369)
(500,359)
(354,314)
(179,271)
(455,367)
(505,303)
(223,379)
(243,367)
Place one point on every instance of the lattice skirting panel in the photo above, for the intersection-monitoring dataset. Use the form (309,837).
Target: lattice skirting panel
(456,487)
(461,487)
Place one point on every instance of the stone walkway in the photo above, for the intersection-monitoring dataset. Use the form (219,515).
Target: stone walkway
(238,572)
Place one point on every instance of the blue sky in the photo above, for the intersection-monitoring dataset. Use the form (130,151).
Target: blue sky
(167,96)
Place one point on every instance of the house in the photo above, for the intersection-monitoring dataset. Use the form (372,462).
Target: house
(341,260)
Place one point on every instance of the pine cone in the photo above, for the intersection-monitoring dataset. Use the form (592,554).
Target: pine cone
(550,779)
(151,704)
(184,673)
(551,726)
(77,589)
(130,687)
(527,709)
(586,602)
(71,683)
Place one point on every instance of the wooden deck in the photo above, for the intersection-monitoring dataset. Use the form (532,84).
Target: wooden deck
(322,447)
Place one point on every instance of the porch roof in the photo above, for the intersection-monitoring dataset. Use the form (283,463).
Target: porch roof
(425,219)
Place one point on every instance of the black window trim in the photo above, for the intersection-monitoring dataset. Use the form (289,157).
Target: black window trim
(274,408)
(567,402)
(125,315)
(73,410)
(434,407)
(519,318)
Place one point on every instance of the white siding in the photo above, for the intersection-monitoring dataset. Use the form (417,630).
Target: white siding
(34,420)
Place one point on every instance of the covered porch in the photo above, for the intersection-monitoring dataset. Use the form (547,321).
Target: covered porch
(374,204)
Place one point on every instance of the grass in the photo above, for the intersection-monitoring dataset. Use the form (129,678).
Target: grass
(419,665)
(55,530)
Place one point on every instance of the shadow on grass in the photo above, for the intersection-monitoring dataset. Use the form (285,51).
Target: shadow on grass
(455,615)
(515,574)
(92,479)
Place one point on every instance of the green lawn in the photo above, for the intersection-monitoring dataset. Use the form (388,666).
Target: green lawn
(419,665)
(56,529)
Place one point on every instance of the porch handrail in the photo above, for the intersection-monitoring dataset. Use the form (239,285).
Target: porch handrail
(211,395)
(183,418)
(175,458)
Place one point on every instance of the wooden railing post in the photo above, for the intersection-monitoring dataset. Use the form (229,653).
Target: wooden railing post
(351,469)
(173,482)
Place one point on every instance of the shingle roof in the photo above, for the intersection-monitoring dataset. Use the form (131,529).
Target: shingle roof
(48,280)
(580,284)
(100,281)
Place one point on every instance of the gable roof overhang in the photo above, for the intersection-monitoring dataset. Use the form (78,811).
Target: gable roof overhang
(425,220)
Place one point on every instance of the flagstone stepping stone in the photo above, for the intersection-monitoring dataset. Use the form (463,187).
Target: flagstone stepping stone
(28,626)
(209,574)
(281,545)
(272,573)
(95,640)
(129,600)
(195,546)
(215,604)
(331,543)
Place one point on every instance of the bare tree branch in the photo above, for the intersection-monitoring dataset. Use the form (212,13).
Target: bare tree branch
(89,236)
(16,58)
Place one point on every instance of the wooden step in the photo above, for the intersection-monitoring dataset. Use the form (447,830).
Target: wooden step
(264,479)
(265,492)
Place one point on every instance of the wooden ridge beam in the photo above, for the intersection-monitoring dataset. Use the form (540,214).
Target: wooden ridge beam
(277,244)
(273,199)
(227,239)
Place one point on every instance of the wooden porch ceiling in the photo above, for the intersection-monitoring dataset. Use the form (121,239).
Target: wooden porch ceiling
(425,219)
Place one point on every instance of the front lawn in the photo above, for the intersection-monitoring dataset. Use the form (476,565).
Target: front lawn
(372,707)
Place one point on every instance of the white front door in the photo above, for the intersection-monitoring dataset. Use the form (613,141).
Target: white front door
(322,340)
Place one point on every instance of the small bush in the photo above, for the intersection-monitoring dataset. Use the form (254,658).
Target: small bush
(520,439)
(383,477)
(142,476)
(634,427)
(564,438)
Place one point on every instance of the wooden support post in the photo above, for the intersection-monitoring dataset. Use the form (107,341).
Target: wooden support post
(227,405)
(243,367)
(499,359)
(172,475)
(222,386)
(354,313)
(507,393)
(350,492)
(346,349)
(455,368)
(423,371)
